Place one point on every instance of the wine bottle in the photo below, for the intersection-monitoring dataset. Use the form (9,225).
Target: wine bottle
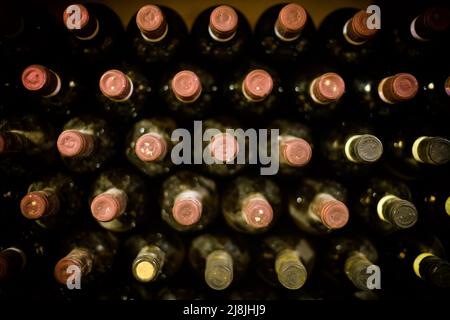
(295,146)
(88,256)
(348,38)
(59,92)
(53,202)
(316,93)
(125,94)
(384,96)
(189,202)
(23,254)
(318,206)
(285,34)
(352,149)
(418,149)
(385,206)
(223,148)
(86,144)
(285,260)
(434,93)
(25,143)
(221,260)
(221,35)
(253,91)
(149,145)
(251,204)
(419,37)
(154,256)
(418,260)
(119,200)
(189,92)
(97,37)
(157,35)
(349,258)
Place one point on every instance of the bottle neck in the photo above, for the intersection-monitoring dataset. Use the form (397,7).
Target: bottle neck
(400,213)
(294,151)
(41,81)
(356,268)
(432,269)
(109,205)
(148,263)
(81,22)
(327,88)
(78,262)
(39,204)
(398,88)
(290,270)
(331,212)
(187,209)
(256,210)
(432,22)
(219,269)
(12,142)
(364,148)
(357,31)
(12,262)
(431,150)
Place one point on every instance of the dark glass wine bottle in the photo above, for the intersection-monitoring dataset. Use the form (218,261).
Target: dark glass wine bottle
(385,206)
(53,202)
(349,259)
(223,148)
(158,35)
(316,93)
(119,200)
(418,149)
(352,149)
(94,32)
(318,206)
(295,146)
(189,92)
(251,204)
(88,255)
(26,143)
(285,34)
(154,256)
(418,260)
(285,260)
(382,96)
(58,92)
(221,35)
(419,37)
(149,145)
(189,202)
(86,144)
(221,260)
(348,37)
(253,91)
(125,95)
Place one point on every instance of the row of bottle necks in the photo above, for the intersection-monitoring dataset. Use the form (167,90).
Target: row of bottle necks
(344,265)
(190,88)
(221,147)
(284,34)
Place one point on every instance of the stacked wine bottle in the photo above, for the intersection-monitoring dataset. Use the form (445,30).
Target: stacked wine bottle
(110,190)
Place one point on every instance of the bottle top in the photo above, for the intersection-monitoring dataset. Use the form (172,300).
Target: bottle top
(150,147)
(74,143)
(223,21)
(83,19)
(358,30)
(77,258)
(368,148)
(291,20)
(115,85)
(34,205)
(186,86)
(187,209)
(258,84)
(329,87)
(224,147)
(109,205)
(40,79)
(400,87)
(334,214)
(258,212)
(151,21)
(297,152)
